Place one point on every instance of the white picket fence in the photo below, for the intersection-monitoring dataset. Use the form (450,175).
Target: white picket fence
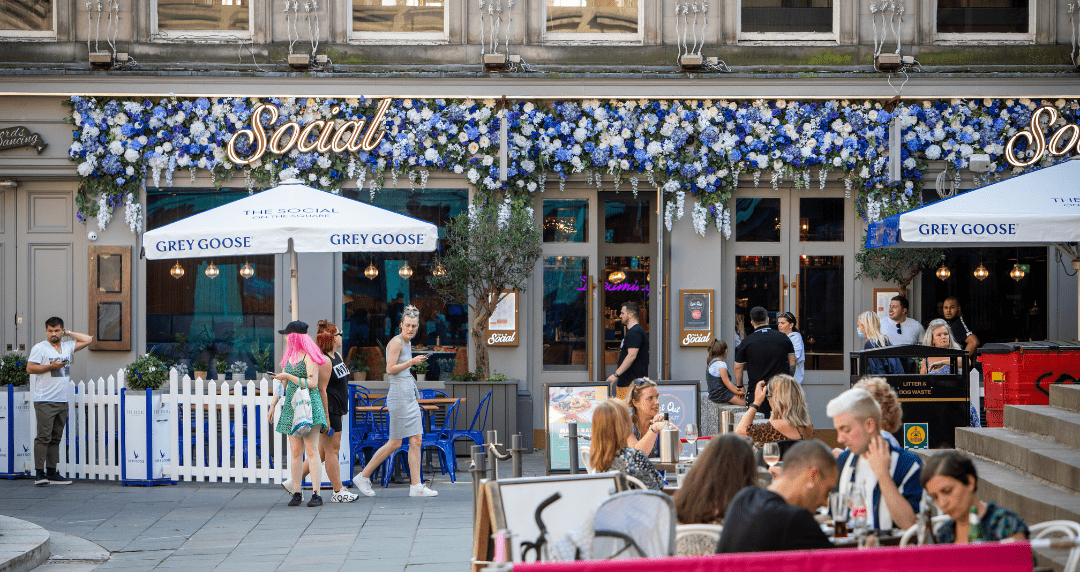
(218,431)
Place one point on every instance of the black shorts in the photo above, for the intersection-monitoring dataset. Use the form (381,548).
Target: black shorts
(336,409)
(722,395)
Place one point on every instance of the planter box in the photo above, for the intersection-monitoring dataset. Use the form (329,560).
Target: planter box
(502,412)
(384,386)
(145,433)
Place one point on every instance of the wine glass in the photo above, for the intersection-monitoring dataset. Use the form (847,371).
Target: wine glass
(691,437)
(771,453)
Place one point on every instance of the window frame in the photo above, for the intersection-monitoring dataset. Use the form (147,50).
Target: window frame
(615,39)
(34,35)
(790,37)
(1028,37)
(398,38)
(213,36)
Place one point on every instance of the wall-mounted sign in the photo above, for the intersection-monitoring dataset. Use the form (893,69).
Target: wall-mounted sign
(328,135)
(1064,140)
(502,326)
(19,136)
(695,317)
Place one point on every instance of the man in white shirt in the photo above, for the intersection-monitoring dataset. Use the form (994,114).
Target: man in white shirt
(49,366)
(899,328)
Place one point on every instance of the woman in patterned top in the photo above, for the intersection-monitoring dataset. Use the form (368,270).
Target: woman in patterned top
(610,430)
(725,467)
(950,479)
(789,420)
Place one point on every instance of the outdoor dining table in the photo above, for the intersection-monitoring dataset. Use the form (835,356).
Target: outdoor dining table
(377,408)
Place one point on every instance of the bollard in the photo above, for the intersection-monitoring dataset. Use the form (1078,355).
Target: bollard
(492,440)
(573,447)
(478,470)
(515,454)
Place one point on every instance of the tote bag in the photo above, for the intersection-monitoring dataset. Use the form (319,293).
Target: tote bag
(301,404)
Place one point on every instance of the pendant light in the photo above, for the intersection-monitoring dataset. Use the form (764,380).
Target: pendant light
(177,271)
(1017,273)
(371,272)
(212,271)
(246,271)
(943,272)
(617,277)
(981,272)
(405,271)
(439,271)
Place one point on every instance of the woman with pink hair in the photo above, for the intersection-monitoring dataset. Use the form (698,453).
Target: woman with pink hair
(301,369)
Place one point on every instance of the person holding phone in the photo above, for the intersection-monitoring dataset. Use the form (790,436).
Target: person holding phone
(49,366)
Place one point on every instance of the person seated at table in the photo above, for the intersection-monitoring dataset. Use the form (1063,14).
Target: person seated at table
(789,419)
(644,401)
(609,450)
(889,402)
(951,480)
(725,467)
(869,326)
(887,476)
(938,335)
(781,517)
(721,388)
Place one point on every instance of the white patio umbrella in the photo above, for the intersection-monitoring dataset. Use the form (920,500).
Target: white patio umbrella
(1039,208)
(290,218)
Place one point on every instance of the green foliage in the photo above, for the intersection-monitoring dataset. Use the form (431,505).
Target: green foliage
(200,365)
(420,368)
(492,250)
(467,376)
(13,370)
(147,371)
(497,377)
(264,357)
(446,367)
(896,265)
(358,364)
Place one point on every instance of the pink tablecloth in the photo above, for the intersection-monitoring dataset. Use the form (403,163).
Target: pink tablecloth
(994,557)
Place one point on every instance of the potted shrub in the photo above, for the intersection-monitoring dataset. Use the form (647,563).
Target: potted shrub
(358,367)
(181,368)
(221,366)
(200,367)
(146,372)
(446,368)
(420,371)
(13,370)
(145,420)
(239,369)
(264,359)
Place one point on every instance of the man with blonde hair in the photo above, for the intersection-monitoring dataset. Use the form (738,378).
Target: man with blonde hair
(887,476)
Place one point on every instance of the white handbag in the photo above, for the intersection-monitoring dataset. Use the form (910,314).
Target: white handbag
(302,414)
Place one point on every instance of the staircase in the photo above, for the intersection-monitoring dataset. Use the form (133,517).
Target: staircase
(1032,464)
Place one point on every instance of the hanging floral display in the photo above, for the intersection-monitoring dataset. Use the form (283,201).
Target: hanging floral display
(695,150)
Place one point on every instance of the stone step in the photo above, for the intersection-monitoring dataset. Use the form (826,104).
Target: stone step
(1057,424)
(1041,458)
(23,545)
(1065,397)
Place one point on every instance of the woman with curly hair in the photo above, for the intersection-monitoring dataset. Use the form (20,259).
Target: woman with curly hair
(889,401)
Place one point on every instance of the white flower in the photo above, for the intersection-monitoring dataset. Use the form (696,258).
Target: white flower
(324,181)
(473,176)
(85,168)
(458,169)
(131,156)
(116,148)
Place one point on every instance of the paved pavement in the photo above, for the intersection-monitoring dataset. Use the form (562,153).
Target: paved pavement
(240,527)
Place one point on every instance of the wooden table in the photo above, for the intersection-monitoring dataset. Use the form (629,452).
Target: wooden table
(377,408)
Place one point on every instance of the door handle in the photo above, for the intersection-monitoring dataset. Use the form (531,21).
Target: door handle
(783,292)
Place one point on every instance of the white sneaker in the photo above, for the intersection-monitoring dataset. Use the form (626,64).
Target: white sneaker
(422,490)
(364,484)
(287,483)
(344,496)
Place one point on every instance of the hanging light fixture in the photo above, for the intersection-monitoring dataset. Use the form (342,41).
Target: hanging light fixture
(981,272)
(439,271)
(212,271)
(371,272)
(405,271)
(177,271)
(943,272)
(1016,273)
(246,271)
(617,277)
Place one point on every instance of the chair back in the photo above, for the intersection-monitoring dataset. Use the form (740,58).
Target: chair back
(432,394)
(697,539)
(481,413)
(444,432)
(380,420)
(635,524)
(586,460)
(1060,528)
(359,422)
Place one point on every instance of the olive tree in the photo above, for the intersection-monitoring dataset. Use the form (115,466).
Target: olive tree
(896,265)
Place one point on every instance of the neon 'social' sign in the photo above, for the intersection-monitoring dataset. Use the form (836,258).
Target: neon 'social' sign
(1065,139)
(332,135)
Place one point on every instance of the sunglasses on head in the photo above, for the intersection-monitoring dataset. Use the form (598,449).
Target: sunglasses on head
(412,312)
(641,381)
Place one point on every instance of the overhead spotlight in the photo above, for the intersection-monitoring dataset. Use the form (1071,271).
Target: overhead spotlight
(691,62)
(177,271)
(943,272)
(246,271)
(887,62)
(494,62)
(212,271)
(300,62)
(371,272)
(101,60)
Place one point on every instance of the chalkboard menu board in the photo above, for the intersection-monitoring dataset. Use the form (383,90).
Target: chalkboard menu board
(565,403)
(679,399)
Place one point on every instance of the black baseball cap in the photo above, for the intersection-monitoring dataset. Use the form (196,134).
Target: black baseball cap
(295,327)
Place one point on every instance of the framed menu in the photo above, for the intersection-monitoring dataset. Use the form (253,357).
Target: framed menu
(695,317)
(502,326)
(679,399)
(564,403)
(882,297)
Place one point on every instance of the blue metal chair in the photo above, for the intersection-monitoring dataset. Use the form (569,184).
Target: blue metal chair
(359,422)
(476,435)
(439,440)
(432,394)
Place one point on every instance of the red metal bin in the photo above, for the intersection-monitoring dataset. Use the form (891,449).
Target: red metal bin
(1021,373)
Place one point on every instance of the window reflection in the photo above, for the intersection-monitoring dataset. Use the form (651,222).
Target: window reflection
(757,220)
(821,219)
(757,283)
(225,15)
(805,16)
(565,312)
(982,16)
(566,220)
(821,311)
(26,15)
(626,221)
(592,16)
(406,16)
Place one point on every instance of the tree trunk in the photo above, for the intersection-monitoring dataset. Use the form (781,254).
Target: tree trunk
(480,344)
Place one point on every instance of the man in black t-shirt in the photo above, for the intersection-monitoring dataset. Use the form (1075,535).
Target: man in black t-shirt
(764,353)
(781,516)
(633,351)
(960,330)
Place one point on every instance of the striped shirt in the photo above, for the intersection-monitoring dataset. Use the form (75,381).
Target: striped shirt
(906,469)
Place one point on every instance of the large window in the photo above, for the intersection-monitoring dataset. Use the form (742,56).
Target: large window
(202,17)
(195,317)
(399,20)
(566,307)
(587,20)
(29,18)
(377,286)
(985,19)
(787,20)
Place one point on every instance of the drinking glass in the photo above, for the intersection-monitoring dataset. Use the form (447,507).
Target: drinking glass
(681,470)
(771,453)
(691,437)
(838,506)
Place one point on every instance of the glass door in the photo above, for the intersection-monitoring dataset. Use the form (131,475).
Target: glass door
(627,247)
(792,254)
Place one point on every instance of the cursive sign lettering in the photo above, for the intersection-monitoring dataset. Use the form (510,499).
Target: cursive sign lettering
(697,339)
(1036,139)
(19,136)
(501,339)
